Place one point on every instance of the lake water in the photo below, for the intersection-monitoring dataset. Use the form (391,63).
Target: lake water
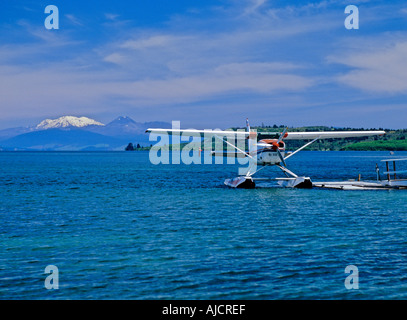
(118,227)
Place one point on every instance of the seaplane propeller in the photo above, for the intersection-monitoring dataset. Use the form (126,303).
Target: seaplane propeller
(275,145)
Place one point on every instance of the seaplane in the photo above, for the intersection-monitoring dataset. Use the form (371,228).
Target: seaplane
(265,149)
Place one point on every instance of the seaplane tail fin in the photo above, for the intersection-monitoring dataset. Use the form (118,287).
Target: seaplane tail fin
(249,141)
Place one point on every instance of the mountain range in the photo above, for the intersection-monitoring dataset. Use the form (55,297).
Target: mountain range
(77,134)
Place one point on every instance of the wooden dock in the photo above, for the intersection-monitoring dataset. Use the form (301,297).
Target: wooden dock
(356,185)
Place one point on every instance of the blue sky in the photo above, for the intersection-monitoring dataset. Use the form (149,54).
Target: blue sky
(209,64)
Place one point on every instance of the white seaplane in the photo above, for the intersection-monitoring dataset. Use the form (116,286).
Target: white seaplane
(264,151)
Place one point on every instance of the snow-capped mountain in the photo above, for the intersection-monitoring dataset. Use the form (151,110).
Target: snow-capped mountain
(67,121)
(78,133)
(123,121)
(126,127)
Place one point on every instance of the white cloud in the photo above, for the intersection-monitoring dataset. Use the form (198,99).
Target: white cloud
(56,88)
(159,69)
(74,20)
(193,89)
(151,42)
(226,62)
(381,69)
(111,16)
(253,6)
(256,67)
(115,58)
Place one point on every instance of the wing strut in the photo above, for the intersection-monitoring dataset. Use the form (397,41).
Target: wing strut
(299,149)
(285,170)
(227,142)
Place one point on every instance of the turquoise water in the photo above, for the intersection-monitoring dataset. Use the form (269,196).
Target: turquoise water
(118,227)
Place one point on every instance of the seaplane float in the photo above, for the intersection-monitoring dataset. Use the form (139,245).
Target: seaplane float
(265,149)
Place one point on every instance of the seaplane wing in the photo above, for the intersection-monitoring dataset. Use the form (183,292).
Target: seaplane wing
(287,136)
(325,134)
(203,133)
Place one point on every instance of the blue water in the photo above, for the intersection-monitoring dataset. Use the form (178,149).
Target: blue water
(118,227)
